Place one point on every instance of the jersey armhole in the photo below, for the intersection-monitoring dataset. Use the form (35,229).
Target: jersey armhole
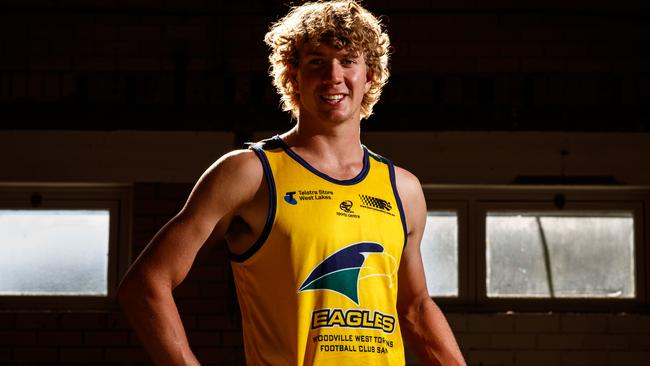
(393,182)
(270,217)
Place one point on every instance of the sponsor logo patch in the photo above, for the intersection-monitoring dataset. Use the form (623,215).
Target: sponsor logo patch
(376,204)
(346,210)
(288,197)
(346,206)
(293,197)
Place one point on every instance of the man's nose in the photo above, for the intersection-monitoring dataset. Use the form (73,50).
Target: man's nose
(333,73)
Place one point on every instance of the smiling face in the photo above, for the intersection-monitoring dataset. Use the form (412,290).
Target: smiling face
(331,83)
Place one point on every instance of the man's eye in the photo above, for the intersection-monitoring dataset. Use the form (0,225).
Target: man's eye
(348,61)
(315,61)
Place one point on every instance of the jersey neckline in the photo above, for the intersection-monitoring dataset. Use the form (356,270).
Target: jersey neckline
(358,178)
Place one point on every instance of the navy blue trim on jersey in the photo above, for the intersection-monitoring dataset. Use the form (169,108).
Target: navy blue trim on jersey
(393,182)
(271,213)
(362,174)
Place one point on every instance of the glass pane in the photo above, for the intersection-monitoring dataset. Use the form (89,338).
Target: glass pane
(556,254)
(47,252)
(440,253)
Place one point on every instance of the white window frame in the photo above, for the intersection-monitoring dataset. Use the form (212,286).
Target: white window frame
(478,200)
(116,198)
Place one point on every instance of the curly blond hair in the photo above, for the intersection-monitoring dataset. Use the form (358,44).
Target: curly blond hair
(340,24)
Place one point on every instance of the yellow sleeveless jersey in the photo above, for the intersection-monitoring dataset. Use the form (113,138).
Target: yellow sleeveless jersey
(319,287)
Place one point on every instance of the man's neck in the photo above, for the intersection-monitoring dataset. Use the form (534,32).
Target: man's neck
(335,150)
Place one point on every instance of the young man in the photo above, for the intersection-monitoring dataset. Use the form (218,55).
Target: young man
(324,235)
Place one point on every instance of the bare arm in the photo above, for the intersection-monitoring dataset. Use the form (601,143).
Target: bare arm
(145,294)
(422,322)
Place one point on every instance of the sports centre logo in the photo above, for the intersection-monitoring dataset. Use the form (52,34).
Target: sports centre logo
(346,206)
(342,270)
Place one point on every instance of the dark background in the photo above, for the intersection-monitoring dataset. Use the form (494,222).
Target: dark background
(499,65)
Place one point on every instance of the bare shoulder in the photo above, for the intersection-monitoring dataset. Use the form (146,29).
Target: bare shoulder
(412,197)
(232,180)
(408,185)
(237,164)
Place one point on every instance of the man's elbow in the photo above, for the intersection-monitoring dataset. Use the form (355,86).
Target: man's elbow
(140,286)
(136,287)
(412,309)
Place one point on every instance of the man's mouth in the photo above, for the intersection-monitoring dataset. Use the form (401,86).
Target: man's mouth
(332,98)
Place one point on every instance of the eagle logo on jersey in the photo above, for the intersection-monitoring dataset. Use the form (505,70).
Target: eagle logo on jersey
(340,272)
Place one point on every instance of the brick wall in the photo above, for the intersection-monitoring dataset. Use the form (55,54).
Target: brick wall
(207,303)
(553,339)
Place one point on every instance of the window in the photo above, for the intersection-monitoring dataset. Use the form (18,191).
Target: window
(62,246)
(439,249)
(537,247)
(560,254)
(54,252)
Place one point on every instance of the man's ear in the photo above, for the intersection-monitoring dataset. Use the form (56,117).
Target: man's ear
(370,78)
(293,77)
